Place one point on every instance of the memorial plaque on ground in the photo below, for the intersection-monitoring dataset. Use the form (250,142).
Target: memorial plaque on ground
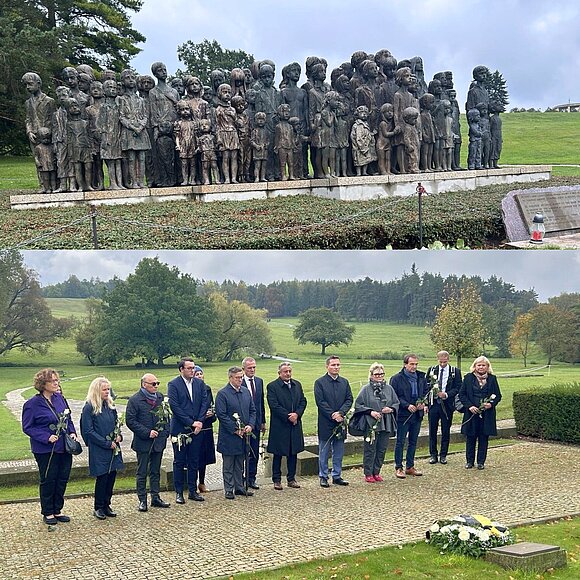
(528,556)
(560,207)
(561,210)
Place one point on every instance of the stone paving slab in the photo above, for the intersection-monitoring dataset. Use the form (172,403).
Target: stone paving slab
(523,482)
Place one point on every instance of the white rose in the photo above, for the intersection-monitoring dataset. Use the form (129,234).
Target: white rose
(434,528)
(464,535)
(66,412)
(485,535)
(235,416)
(174,440)
(492,397)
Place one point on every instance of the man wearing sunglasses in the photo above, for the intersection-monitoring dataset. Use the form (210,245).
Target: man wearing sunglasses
(150,433)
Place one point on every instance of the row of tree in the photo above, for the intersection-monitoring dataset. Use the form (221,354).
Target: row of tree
(159,312)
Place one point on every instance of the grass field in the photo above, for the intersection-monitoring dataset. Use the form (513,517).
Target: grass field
(371,341)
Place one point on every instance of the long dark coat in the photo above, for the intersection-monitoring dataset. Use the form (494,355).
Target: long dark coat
(207,449)
(94,429)
(227,402)
(285,438)
(140,419)
(471,395)
(331,395)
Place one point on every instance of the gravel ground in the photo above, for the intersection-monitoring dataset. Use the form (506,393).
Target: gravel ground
(524,482)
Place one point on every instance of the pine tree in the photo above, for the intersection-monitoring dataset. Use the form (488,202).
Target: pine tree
(497,88)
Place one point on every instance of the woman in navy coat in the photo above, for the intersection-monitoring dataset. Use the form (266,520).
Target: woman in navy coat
(479,395)
(98,428)
(207,449)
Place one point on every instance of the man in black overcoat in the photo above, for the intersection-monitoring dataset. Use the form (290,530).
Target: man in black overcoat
(150,432)
(287,405)
(333,397)
(442,405)
(255,385)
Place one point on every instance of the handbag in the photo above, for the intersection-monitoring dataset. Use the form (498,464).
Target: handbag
(71,445)
(357,425)
(458,404)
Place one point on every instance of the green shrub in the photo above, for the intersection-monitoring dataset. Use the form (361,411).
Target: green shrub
(551,413)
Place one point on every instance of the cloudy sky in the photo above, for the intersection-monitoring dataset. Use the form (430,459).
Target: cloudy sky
(535,44)
(549,273)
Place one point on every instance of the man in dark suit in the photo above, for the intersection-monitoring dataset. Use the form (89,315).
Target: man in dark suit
(442,405)
(287,405)
(411,387)
(189,403)
(150,425)
(333,397)
(236,413)
(255,385)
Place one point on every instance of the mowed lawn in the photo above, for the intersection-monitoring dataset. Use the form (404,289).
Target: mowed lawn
(371,341)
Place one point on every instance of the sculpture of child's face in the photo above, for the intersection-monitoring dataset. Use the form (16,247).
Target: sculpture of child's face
(70,77)
(110,88)
(225,93)
(62,93)
(410,119)
(452,94)
(74,109)
(240,106)
(160,72)
(294,74)
(205,126)
(129,80)
(447,110)
(372,70)
(483,110)
(362,113)
(475,117)
(183,110)
(165,128)
(32,85)
(388,113)
(97,90)
(284,113)
(267,78)
(260,120)
(46,137)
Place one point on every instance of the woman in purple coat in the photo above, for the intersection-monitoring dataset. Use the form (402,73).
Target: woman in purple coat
(45,419)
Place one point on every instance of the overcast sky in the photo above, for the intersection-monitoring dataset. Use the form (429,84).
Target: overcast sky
(535,44)
(549,273)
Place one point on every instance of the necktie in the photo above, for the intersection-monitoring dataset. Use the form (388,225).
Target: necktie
(441,378)
(252,388)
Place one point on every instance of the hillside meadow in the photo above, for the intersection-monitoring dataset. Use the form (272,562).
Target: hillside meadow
(385,343)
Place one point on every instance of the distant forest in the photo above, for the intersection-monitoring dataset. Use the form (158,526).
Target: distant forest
(411,299)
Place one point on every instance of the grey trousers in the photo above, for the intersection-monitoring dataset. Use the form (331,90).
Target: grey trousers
(374,455)
(233,472)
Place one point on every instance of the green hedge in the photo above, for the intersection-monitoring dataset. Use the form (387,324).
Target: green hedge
(551,413)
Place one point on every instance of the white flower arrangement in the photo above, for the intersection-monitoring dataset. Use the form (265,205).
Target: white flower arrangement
(468,535)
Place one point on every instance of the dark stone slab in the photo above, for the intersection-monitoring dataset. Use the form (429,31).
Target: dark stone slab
(528,556)
(559,205)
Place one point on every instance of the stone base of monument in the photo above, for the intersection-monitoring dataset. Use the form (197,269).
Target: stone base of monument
(307,464)
(528,557)
(341,188)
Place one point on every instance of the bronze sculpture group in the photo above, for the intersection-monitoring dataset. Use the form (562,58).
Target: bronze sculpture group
(377,116)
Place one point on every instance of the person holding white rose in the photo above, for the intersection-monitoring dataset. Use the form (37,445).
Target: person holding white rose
(479,394)
(45,419)
(379,403)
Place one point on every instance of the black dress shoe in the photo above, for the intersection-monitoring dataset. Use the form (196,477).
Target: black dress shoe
(324,482)
(253,485)
(50,521)
(179,498)
(480,466)
(469,466)
(142,506)
(443,460)
(195,496)
(230,495)
(433,460)
(339,481)
(62,518)
(109,512)
(244,492)
(158,502)
(100,514)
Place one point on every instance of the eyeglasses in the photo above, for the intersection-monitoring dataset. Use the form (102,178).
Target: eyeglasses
(154,383)
(378,374)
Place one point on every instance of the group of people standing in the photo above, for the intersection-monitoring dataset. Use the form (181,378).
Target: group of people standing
(385,409)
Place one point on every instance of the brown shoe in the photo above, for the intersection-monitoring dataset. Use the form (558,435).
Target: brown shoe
(278,485)
(400,473)
(202,488)
(413,471)
(294,484)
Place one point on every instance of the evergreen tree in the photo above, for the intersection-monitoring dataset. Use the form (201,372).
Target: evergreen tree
(497,88)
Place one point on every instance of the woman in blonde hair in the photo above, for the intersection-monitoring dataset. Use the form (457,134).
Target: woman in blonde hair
(479,394)
(100,429)
(379,403)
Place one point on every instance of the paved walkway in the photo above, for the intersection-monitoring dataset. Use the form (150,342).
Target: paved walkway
(522,482)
